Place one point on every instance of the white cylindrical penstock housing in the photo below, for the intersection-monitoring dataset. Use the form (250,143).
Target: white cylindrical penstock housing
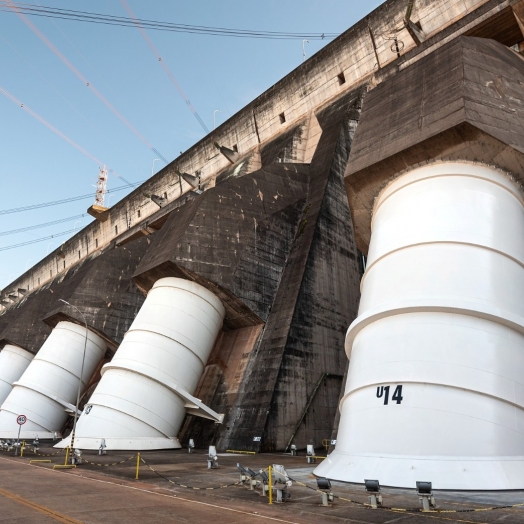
(435,389)
(13,362)
(135,405)
(49,385)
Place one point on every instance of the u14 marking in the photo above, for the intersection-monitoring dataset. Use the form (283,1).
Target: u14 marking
(383,391)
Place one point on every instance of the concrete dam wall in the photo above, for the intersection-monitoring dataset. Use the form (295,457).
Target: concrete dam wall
(217,307)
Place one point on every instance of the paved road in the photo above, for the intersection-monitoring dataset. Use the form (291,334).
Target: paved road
(37,494)
(31,494)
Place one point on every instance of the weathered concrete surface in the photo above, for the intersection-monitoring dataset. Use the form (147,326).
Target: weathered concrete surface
(272,234)
(100,286)
(25,497)
(362,53)
(92,494)
(233,239)
(275,245)
(465,101)
(220,383)
(316,300)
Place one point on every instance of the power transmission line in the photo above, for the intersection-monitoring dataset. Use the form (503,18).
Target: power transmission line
(35,115)
(166,69)
(49,126)
(63,201)
(55,89)
(38,226)
(12,7)
(99,18)
(13,246)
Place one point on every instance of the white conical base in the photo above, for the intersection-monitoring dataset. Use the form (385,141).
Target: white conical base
(145,391)
(131,444)
(435,388)
(48,388)
(13,363)
(457,473)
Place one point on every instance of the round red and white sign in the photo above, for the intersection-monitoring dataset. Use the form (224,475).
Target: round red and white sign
(21,419)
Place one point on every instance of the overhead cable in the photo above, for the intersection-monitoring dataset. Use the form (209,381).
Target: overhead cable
(99,18)
(13,246)
(49,126)
(39,226)
(34,114)
(64,200)
(15,8)
(168,72)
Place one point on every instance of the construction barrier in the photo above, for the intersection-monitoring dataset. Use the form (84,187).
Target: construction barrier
(140,459)
(110,464)
(47,454)
(189,487)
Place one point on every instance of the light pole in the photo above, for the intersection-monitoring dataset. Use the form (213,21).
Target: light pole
(304,49)
(153,165)
(214,116)
(81,374)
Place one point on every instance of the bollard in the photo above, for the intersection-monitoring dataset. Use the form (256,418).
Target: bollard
(270,485)
(22,448)
(137,466)
(65,465)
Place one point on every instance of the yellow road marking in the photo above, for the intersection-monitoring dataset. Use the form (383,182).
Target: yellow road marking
(37,507)
(262,516)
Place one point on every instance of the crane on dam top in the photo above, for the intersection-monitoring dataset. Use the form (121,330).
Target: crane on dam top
(98,210)
(101,187)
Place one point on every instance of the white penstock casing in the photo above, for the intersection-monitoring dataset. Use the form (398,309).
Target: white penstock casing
(138,403)
(13,362)
(49,386)
(435,388)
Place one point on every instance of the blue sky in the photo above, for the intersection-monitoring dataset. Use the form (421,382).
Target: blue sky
(215,72)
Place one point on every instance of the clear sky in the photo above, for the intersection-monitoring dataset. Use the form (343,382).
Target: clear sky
(216,73)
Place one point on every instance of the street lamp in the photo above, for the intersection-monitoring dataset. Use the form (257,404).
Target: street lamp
(214,116)
(153,165)
(304,49)
(81,374)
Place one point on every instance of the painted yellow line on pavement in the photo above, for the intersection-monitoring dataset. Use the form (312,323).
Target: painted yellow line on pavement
(37,507)
(224,508)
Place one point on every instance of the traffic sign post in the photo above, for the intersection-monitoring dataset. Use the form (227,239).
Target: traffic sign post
(20,420)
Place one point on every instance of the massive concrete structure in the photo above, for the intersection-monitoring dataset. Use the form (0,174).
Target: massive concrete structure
(409,124)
